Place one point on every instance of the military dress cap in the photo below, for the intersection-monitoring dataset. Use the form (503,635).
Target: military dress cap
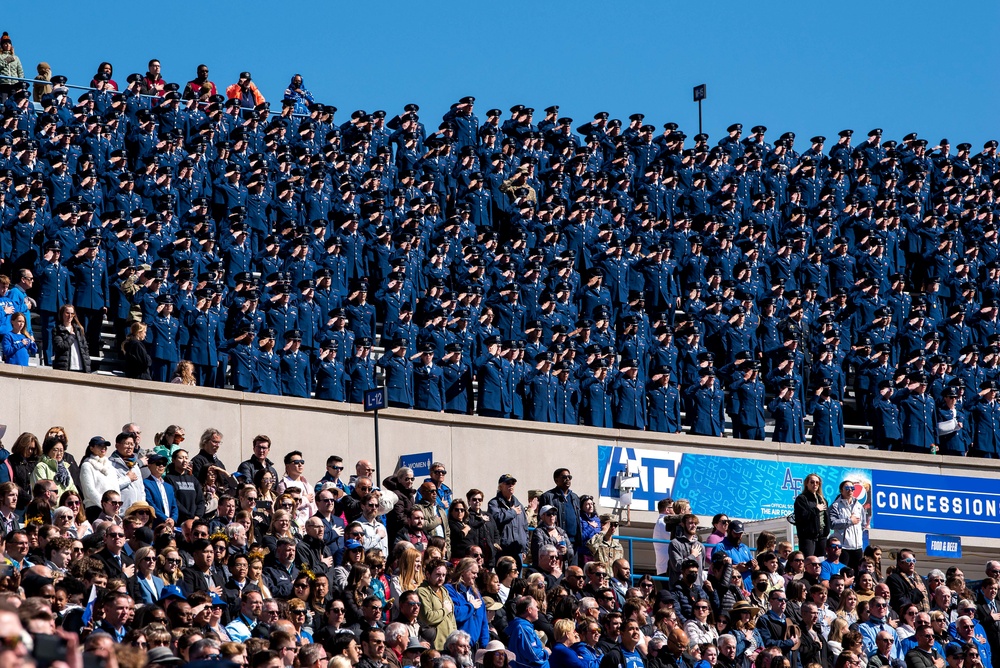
(493,113)
(468,99)
(601,116)
(877,132)
(846,133)
(701,136)
(517,109)
(758,129)
(165,299)
(735,127)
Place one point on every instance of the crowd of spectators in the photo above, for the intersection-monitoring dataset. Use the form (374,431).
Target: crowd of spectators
(533,267)
(145,552)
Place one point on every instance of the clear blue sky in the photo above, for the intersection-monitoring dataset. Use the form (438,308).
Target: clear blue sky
(809,67)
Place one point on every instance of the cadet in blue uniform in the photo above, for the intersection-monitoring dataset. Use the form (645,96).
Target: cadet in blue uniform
(887,432)
(361,370)
(706,399)
(459,396)
(52,281)
(629,397)
(748,415)
(242,360)
(494,375)
(664,402)
(268,376)
(828,417)
(540,391)
(985,410)
(398,369)
(296,373)
(331,377)
(567,399)
(90,291)
(951,424)
(596,395)
(162,339)
(916,414)
(428,381)
(787,413)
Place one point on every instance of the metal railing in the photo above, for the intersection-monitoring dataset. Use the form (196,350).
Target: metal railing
(98,90)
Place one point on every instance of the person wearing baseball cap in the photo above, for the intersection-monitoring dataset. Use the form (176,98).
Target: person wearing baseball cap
(512,522)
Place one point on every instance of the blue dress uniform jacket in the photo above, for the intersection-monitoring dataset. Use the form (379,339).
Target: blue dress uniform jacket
(90,284)
(242,365)
(495,388)
(361,371)
(706,406)
(296,374)
(459,396)
(664,409)
(540,396)
(916,412)
(986,428)
(163,343)
(331,381)
(567,402)
(885,423)
(748,407)
(596,398)
(398,380)
(828,423)
(268,372)
(629,402)
(788,425)
(428,387)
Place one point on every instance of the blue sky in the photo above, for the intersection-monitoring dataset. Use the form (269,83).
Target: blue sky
(809,67)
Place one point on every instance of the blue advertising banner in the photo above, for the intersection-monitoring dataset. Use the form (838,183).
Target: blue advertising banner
(750,489)
(949,547)
(935,503)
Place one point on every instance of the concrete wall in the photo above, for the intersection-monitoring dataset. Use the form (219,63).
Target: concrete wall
(475,450)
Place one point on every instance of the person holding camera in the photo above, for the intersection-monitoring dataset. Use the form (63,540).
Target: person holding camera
(605,548)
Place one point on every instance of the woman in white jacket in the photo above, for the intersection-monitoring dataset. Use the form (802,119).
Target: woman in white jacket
(97,475)
(849,520)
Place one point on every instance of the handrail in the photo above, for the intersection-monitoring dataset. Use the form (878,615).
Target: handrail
(90,88)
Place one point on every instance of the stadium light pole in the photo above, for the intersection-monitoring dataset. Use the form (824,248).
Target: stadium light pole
(700,93)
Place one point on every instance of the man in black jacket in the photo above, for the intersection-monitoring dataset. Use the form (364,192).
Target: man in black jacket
(258,461)
(117,564)
(201,576)
(905,584)
(567,502)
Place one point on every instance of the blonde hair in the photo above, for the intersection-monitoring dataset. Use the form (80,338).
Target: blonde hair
(562,628)
(185,372)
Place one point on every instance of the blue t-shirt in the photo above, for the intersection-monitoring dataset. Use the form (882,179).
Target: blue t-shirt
(828,568)
(633,659)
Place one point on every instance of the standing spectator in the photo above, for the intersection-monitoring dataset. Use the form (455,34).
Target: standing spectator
(511,522)
(200,88)
(18,345)
(129,470)
(298,95)
(44,76)
(522,639)
(567,505)
(849,521)
(686,546)
(812,517)
(52,467)
(70,351)
(10,66)
(104,74)
(137,359)
(152,83)
(905,584)
(436,608)
(245,92)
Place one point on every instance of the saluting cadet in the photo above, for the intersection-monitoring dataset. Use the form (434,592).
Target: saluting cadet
(361,370)
(706,399)
(296,374)
(268,376)
(664,403)
(428,381)
(629,397)
(828,417)
(163,340)
(916,413)
(787,413)
(331,377)
(398,369)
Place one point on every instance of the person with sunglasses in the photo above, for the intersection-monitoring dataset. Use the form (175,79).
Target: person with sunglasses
(567,504)
(905,584)
(331,479)
(849,520)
